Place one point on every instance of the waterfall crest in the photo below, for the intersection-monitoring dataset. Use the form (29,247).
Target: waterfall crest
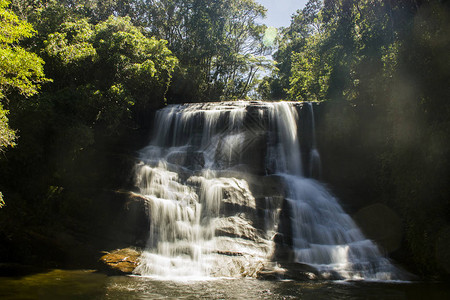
(220,178)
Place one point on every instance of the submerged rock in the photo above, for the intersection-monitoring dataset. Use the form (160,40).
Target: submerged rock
(290,271)
(120,262)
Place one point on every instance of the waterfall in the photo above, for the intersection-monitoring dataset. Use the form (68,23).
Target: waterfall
(215,177)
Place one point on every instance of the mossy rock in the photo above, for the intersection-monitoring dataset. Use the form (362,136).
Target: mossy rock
(120,262)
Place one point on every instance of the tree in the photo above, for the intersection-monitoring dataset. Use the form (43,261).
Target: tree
(217,43)
(94,10)
(20,70)
(310,73)
(298,54)
(113,63)
(106,78)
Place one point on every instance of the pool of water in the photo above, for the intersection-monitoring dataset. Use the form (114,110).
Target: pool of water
(86,284)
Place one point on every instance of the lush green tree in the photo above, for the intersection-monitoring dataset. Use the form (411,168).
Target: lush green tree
(7,138)
(21,71)
(114,63)
(389,61)
(310,73)
(7,135)
(298,50)
(219,44)
(95,10)
(106,78)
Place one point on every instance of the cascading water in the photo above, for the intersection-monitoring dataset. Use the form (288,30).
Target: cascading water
(215,176)
(185,177)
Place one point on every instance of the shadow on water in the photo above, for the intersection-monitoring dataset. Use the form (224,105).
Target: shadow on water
(19,270)
(88,284)
(54,284)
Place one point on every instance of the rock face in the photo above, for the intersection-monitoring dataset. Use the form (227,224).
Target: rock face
(229,190)
(120,262)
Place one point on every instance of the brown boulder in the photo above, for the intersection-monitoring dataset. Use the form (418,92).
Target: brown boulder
(120,262)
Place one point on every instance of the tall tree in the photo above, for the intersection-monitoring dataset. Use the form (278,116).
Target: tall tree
(218,44)
(21,71)
(298,54)
(105,78)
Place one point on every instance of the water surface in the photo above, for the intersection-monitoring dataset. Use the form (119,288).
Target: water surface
(85,284)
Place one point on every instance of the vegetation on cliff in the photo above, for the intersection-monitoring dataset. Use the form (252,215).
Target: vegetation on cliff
(383,69)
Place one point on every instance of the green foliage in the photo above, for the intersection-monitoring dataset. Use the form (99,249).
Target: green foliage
(215,41)
(20,70)
(51,11)
(219,44)
(105,75)
(7,135)
(310,74)
(142,65)
(71,44)
(390,61)
(340,49)
(298,57)
(112,66)
(13,29)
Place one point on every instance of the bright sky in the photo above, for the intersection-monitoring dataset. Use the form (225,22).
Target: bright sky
(279,11)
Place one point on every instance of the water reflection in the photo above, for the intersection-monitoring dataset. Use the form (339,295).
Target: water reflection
(55,284)
(82,284)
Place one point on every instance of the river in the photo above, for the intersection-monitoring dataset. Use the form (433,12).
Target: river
(86,284)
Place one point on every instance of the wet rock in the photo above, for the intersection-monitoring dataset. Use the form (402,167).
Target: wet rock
(273,185)
(243,265)
(270,275)
(300,272)
(271,272)
(238,247)
(386,231)
(237,227)
(228,253)
(282,251)
(177,158)
(120,262)
(292,271)
(193,160)
(129,227)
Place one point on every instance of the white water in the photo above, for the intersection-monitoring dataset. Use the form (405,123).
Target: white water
(179,177)
(210,216)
